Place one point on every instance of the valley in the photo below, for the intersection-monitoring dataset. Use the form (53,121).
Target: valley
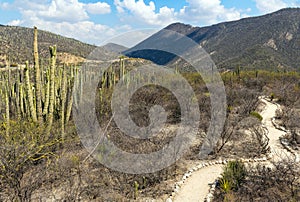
(114,123)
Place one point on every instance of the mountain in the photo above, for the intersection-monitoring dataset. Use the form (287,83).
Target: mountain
(268,41)
(116,48)
(16,45)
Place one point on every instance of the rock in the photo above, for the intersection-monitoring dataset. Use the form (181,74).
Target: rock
(169,200)
(297,159)
(297,136)
(209,196)
(284,142)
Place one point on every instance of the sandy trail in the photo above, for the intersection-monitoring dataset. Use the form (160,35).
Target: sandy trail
(196,188)
(276,148)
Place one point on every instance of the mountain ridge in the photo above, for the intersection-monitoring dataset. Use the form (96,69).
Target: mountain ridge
(16,45)
(268,41)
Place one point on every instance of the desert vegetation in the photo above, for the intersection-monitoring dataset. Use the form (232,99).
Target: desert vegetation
(277,182)
(41,156)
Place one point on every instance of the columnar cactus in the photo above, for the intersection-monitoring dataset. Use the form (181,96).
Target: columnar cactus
(63,101)
(47,93)
(38,92)
(7,115)
(30,94)
(52,88)
(70,103)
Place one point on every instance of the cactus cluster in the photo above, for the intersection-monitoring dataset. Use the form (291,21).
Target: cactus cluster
(38,93)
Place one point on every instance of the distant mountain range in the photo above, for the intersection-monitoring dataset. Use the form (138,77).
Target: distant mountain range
(16,46)
(116,48)
(269,41)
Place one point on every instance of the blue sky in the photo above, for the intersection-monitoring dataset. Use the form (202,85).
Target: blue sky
(95,21)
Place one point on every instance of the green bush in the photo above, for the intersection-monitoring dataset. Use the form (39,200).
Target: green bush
(256,115)
(233,175)
(225,185)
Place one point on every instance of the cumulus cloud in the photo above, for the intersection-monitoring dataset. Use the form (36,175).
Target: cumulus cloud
(267,6)
(15,23)
(197,12)
(61,10)
(58,10)
(98,8)
(144,13)
(208,12)
(86,31)
(4,5)
(65,17)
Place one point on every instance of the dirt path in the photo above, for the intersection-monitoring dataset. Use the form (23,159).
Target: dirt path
(196,188)
(276,148)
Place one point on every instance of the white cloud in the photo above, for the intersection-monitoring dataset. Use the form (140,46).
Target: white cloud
(208,12)
(267,6)
(86,31)
(197,12)
(15,23)
(64,10)
(59,10)
(65,17)
(141,12)
(98,8)
(4,5)
(55,10)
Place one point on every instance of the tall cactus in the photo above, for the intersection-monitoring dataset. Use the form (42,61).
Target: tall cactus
(70,103)
(17,88)
(7,116)
(63,101)
(47,93)
(39,95)
(30,94)
(21,100)
(38,91)
(52,88)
